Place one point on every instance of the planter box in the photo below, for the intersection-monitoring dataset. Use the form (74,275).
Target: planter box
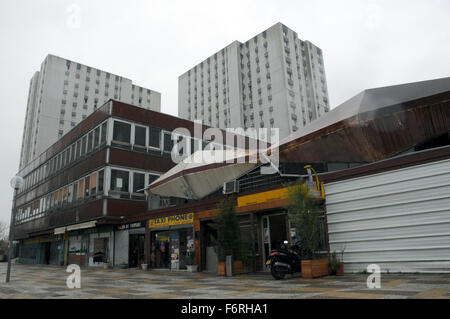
(191,268)
(340,269)
(221,269)
(238,268)
(314,268)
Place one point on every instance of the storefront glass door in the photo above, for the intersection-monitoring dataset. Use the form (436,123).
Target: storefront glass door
(273,232)
(171,248)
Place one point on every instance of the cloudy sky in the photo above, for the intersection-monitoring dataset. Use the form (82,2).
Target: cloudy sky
(365,44)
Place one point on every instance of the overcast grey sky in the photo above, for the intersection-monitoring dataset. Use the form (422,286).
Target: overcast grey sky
(366,43)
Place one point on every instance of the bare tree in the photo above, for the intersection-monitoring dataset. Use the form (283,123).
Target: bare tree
(4,231)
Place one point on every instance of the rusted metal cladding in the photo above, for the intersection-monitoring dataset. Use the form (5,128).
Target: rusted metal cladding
(374,135)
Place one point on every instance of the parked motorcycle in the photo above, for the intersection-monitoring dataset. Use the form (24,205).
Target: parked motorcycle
(284,261)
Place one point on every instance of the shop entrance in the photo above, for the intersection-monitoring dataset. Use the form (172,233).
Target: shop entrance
(136,249)
(209,256)
(171,247)
(273,232)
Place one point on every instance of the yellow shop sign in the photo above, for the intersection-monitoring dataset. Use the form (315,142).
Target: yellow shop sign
(174,220)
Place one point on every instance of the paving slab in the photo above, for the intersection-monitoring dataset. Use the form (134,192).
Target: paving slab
(49,282)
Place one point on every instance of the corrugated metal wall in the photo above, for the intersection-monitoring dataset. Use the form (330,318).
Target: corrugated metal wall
(398,219)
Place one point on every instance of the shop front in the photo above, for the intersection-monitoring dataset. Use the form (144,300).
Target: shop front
(48,250)
(171,241)
(129,245)
(90,246)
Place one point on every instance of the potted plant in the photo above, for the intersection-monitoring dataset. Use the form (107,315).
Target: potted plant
(305,213)
(190,261)
(228,234)
(333,263)
(144,266)
(340,264)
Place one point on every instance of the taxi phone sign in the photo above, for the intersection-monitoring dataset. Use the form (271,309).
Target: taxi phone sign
(174,220)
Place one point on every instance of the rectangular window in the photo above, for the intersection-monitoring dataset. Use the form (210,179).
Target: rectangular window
(80,189)
(122,132)
(65,195)
(86,186)
(100,181)
(138,183)
(154,137)
(103,135)
(78,150)
(90,141)
(119,180)
(70,193)
(72,153)
(75,191)
(97,137)
(168,143)
(94,184)
(68,156)
(59,163)
(139,135)
(60,197)
(83,145)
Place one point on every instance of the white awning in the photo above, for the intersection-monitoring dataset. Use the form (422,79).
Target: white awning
(203,172)
(60,230)
(82,225)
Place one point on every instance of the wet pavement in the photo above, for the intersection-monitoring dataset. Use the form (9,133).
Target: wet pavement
(42,282)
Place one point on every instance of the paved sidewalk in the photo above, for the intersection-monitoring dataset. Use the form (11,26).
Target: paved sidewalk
(39,281)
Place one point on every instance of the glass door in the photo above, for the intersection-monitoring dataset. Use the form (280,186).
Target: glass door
(274,233)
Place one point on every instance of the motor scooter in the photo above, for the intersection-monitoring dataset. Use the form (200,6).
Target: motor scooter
(284,261)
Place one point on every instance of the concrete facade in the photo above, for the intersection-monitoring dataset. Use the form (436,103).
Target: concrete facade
(272,80)
(63,93)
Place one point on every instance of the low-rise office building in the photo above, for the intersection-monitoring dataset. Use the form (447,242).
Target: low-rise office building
(78,192)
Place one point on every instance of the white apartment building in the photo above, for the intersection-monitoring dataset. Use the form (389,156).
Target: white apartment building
(64,92)
(273,80)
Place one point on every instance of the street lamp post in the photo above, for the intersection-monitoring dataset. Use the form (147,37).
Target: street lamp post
(16,183)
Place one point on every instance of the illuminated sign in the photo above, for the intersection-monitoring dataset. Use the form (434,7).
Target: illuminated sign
(174,220)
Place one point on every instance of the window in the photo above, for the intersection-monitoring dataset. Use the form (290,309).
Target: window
(139,135)
(94,184)
(72,153)
(119,180)
(121,132)
(68,156)
(80,189)
(152,178)
(138,183)
(86,186)
(75,191)
(168,143)
(100,181)
(78,150)
(90,137)
(96,136)
(154,137)
(83,145)
(103,135)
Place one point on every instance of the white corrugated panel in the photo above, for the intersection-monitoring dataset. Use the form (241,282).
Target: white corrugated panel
(398,219)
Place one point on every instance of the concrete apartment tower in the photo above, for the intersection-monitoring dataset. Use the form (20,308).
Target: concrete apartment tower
(63,93)
(272,80)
